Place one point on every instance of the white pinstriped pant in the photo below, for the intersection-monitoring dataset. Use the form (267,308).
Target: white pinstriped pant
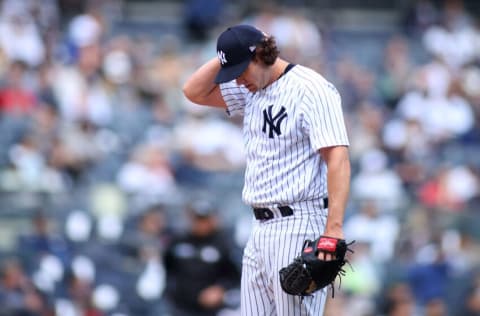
(272,245)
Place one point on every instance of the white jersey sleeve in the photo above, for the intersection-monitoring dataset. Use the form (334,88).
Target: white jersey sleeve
(235,97)
(323,116)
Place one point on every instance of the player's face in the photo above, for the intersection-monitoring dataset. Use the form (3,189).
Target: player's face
(254,78)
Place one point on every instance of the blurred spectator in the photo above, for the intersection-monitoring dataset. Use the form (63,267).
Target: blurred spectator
(420,16)
(397,70)
(150,233)
(18,296)
(450,188)
(468,81)
(44,86)
(150,286)
(79,300)
(436,307)
(126,82)
(42,240)
(80,88)
(297,36)
(76,149)
(200,266)
(471,299)
(370,219)
(453,42)
(440,110)
(429,277)
(117,66)
(45,14)
(146,244)
(455,15)
(84,30)
(19,36)
(375,182)
(16,97)
(44,126)
(417,230)
(30,171)
(406,141)
(398,301)
(365,130)
(164,74)
(462,250)
(356,83)
(147,173)
(162,114)
(207,144)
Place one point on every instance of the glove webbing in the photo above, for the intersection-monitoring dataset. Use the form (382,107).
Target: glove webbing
(342,271)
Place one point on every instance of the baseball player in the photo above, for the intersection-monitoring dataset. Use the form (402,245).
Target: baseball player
(297,174)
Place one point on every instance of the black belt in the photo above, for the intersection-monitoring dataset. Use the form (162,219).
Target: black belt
(263,213)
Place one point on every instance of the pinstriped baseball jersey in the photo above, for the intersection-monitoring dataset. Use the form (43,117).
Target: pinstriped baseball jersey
(284,126)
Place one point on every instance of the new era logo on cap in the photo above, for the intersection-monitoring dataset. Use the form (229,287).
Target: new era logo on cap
(235,49)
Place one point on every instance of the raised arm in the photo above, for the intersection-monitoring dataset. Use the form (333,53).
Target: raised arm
(200,87)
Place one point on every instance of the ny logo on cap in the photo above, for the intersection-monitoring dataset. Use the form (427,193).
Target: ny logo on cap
(221,57)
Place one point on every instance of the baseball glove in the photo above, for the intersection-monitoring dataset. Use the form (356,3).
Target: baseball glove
(308,274)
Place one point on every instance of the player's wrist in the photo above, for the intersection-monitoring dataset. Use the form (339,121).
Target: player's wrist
(334,229)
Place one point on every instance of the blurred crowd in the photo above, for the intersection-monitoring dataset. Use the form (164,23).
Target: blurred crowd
(119,197)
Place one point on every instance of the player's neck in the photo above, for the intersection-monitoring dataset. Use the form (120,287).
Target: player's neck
(277,70)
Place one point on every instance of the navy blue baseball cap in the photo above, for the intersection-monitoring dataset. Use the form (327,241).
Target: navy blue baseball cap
(235,49)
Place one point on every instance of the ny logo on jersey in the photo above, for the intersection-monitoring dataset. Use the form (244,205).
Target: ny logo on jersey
(221,57)
(274,122)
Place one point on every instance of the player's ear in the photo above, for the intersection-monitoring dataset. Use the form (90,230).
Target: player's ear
(259,62)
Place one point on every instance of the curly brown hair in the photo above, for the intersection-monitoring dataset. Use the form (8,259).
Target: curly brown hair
(267,51)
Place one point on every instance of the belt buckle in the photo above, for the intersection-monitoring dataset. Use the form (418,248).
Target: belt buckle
(264,213)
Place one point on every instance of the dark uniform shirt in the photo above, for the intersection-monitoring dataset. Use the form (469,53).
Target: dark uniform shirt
(194,263)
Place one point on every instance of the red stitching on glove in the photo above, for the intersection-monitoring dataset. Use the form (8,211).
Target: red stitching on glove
(308,250)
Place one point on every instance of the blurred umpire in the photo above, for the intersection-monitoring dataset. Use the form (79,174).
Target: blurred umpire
(200,265)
